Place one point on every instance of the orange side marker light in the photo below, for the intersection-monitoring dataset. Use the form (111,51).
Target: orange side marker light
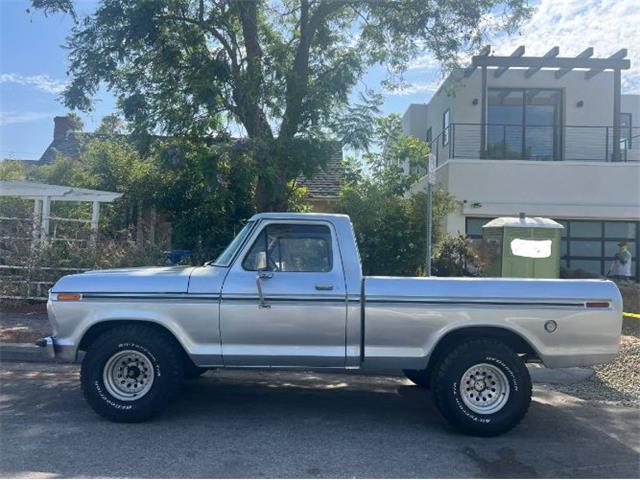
(69,297)
(597,304)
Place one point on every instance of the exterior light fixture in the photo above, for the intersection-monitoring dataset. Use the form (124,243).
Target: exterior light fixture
(475,101)
(580,104)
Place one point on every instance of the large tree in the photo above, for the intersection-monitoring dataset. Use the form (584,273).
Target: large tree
(389,221)
(280,69)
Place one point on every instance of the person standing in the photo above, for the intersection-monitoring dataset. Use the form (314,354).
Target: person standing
(621,268)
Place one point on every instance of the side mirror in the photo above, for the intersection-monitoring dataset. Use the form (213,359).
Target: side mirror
(261,261)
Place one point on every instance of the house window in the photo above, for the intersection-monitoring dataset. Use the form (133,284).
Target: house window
(524,123)
(474,226)
(626,136)
(445,128)
(429,136)
(591,246)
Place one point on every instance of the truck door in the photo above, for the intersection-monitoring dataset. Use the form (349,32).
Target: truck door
(284,299)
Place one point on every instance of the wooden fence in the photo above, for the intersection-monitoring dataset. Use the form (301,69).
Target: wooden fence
(20,282)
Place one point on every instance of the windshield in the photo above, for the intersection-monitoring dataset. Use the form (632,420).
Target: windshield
(225,258)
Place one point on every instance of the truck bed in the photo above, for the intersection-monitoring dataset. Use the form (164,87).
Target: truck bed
(406,317)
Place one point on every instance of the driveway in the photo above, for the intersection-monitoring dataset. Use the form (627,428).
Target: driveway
(284,424)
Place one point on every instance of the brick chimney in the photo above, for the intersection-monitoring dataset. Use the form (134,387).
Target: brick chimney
(61,125)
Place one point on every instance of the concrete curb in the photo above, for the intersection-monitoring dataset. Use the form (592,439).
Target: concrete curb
(563,376)
(23,352)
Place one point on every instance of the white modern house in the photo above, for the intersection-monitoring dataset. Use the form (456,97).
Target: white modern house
(549,136)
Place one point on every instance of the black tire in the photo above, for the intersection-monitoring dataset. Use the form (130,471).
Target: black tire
(419,377)
(166,362)
(191,370)
(448,395)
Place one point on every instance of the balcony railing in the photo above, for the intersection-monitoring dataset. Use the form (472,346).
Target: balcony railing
(536,142)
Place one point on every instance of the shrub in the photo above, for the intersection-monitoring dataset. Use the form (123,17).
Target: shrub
(454,256)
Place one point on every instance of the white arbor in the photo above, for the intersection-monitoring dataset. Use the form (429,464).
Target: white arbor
(42,196)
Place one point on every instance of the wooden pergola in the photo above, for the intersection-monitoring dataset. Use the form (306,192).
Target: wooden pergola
(562,65)
(42,196)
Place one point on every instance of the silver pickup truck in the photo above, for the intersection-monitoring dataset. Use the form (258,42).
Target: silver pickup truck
(288,292)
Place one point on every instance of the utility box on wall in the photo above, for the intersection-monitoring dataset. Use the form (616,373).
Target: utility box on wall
(523,247)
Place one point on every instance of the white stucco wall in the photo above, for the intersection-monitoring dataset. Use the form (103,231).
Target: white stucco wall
(567,189)
(549,189)
(414,120)
(631,104)
(458,93)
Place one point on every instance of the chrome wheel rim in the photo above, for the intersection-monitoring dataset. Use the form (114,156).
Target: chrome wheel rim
(128,375)
(484,389)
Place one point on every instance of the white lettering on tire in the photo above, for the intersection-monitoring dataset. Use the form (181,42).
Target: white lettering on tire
(506,368)
(108,400)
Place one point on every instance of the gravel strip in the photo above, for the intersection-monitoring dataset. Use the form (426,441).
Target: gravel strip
(618,381)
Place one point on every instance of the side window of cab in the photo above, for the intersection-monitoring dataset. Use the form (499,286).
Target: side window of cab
(291,248)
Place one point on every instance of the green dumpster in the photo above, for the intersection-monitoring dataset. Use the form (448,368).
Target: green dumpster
(523,247)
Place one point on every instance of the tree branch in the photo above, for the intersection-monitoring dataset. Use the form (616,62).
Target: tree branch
(248,92)
(298,79)
(206,26)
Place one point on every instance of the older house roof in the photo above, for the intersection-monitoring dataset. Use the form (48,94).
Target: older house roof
(327,181)
(325,184)
(69,145)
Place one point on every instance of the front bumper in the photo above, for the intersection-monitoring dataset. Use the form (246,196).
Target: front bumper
(57,350)
(47,342)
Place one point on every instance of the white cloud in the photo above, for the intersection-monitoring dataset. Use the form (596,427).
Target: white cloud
(43,83)
(10,118)
(415,87)
(424,62)
(574,25)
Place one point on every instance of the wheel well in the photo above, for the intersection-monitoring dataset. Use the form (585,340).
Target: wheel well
(101,327)
(514,341)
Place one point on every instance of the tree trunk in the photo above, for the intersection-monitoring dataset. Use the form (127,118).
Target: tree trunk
(140,227)
(152,224)
(270,188)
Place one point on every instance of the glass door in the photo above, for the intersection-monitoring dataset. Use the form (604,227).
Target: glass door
(524,124)
(505,122)
(542,124)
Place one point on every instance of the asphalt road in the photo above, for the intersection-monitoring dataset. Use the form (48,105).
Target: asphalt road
(255,424)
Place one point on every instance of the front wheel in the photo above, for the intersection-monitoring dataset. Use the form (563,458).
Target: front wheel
(130,373)
(482,387)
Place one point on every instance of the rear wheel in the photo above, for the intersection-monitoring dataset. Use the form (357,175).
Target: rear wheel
(130,373)
(482,387)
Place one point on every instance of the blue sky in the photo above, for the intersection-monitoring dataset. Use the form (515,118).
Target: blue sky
(33,73)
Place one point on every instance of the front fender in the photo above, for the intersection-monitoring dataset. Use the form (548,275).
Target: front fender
(193,324)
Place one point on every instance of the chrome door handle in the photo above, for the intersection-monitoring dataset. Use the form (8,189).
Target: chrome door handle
(264,274)
(324,286)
